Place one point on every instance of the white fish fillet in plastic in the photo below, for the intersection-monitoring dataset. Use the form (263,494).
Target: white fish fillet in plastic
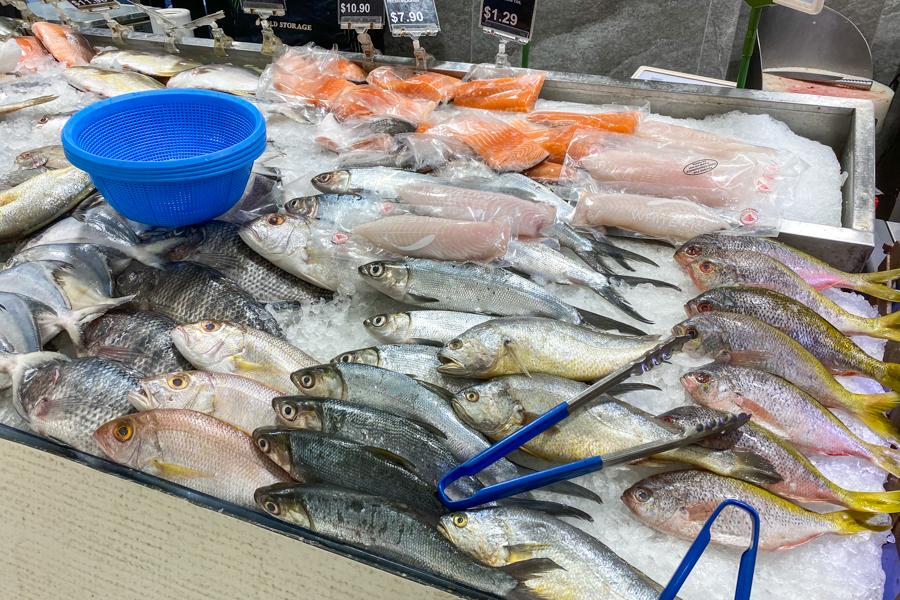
(440,239)
(660,217)
(697,140)
(527,218)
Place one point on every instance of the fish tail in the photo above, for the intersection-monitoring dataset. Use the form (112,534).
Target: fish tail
(872,502)
(629,280)
(16,365)
(887,327)
(868,286)
(877,277)
(848,522)
(154,254)
(889,374)
(605,323)
(871,412)
(885,458)
(604,247)
(613,297)
(73,321)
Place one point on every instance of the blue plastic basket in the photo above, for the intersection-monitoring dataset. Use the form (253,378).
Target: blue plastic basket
(167,157)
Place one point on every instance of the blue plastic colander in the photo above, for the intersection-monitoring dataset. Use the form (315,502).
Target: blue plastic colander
(167,157)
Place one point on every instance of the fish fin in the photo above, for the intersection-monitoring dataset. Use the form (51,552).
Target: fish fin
(885,458)
(749,358)
(17,365)
(427,427)
(72,322)
(888,327)
(421,299)
(861,284)
(604,246)
(511,348)
(753,409)
(392,458)
(754,468)
(424,342)
(605,323)
(873,502)
(612,296)
(245,365)
(525,551)
(529,569)
(567,488)
(284,305)
(155,254)
(671,427)
(631,281)
(848,522)
(878,276)
(872,413)
(68,283)
(548,508)
(220,261)
(435,389)
(119,353)
(701,511)
(178,472)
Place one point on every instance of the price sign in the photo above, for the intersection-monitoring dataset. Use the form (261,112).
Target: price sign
(361,13)
(276,7)
(94,5)
(412,17)
(512,18)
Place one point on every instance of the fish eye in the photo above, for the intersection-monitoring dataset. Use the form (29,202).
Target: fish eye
(378,321)
(326,177)
(692,251)
(472,396)
(377,269)
(123,432)
(455,345)
(692,332)
(210,326)
(25,155)
(460,520)
(263,444)
(704,307)
(131,277)
(44,119)
(642,495)
(307,381)
(11,261)
(288,412)
(272,507)
(177,382)
(275,220)
(701,377)
(346,358)
(706,267)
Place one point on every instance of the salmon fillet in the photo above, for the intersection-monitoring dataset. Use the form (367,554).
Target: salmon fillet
(429,85)
(371,101)
(439,239)
(545,172)
(311,62)
(500,146)
(620,122)
(513,94)
(322,90)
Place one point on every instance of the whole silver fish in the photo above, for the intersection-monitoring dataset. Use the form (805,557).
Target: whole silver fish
(419,362)
(392,530)
(107,83)
(40,200)
(188,292)
(154,64)
(68,401)
(140,339)
(19,331)
(377,181)
(94,264)
(474,288)
(217,244)
(51,157)
(218,78)
(501,536)
(342,211)
(431,327)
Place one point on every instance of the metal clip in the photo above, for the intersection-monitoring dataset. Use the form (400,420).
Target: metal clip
(270,42)
(421,55)
(119,31)
(367,47)
(29,16)
(502,59)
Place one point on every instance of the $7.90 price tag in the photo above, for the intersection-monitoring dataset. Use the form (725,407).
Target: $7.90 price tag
(412,17)
(370,13)
(511,18)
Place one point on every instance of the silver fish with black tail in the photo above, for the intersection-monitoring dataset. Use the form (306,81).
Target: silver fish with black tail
(217,244)
(419,362)
(140,339)
(38,201)
(475,288)
(377,181)
(428,327)
(501,537)
(68,401)
(188,292)
(50,157)
(392,530)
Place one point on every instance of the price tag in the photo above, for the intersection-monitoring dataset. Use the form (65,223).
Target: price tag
(276,7)
(511,18)
(94,5)
(412,17)
(369,13)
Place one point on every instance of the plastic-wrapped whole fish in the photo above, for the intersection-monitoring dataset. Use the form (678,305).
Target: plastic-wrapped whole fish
(189,291)
(438,238)
(233,348)
(786,411)
(801,481)
(67,401)
(38,201)
(474,288)
(107,83)
(503,537)
(815,272)
(342,211)
(429,327)
(525,345)
(154,64)
(378,181)
(673,503)
(392,530)
(140,339)
(187,447)
(419,362)
(218,245)
(238,401)
(748,342)
(218,78)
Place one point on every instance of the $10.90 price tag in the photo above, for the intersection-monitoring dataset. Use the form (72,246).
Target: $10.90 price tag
(412,17)
(370,13)
(512,18)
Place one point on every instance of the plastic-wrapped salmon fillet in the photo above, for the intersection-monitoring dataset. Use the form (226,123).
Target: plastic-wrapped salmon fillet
(501,146)
(439,239)
(697,140)
(554,140)
(371,101)
(430,86)
(490,87)
(322,91)
(34,55)
(618,121)
(310,61)
(545,172)
(526,217)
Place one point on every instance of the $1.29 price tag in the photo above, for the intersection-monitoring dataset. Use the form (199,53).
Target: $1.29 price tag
(370,13)
(514,18)
(412,17)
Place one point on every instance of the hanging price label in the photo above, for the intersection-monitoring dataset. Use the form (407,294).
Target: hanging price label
(370,14)
(412,17)
(94,5)
(513,18)
(277,7)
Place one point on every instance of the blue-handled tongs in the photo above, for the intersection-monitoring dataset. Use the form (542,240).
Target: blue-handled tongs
(505,489)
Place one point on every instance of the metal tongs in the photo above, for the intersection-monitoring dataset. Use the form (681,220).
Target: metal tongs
(505,489)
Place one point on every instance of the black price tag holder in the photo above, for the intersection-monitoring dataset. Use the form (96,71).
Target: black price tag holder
(361,17)
(509,20)
(413,19)
(175,32)
(119,32)
(265,9)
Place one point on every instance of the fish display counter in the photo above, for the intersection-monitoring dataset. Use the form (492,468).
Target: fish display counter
(420,265)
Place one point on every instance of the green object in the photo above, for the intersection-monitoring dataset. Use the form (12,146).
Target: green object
(750,38)
(525,50)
